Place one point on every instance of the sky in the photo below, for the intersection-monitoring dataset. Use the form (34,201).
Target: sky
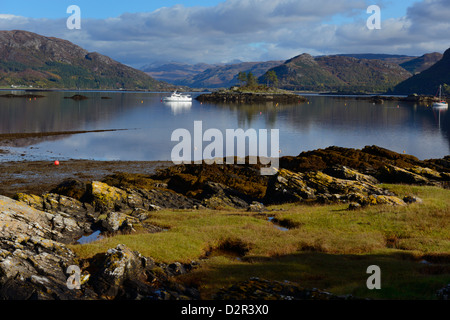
(140,32)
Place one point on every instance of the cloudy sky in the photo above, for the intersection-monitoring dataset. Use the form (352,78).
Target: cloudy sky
(138,32)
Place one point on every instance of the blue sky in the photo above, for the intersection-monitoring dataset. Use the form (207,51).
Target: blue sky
(91,8)
(138,32)
(106,9)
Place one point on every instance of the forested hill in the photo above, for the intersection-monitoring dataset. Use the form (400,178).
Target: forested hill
(339,73)
(429,80)
(29,59)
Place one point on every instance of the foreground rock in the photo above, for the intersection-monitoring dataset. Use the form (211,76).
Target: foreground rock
(34,264)
(288,186)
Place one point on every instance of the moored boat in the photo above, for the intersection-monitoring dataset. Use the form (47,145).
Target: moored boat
(178,97)
(442,104)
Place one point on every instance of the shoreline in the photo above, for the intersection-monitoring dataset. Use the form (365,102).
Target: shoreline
(41,176)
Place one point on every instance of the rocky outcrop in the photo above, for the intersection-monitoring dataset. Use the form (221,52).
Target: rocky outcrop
(35,265)
(288,186)
(32,263)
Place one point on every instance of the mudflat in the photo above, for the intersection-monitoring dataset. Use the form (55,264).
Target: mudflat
(37,177)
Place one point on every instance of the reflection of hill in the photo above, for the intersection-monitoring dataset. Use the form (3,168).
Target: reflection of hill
(246,113)
(350,114)
(53,114)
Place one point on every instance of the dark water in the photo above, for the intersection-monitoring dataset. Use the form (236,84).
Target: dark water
(324,121)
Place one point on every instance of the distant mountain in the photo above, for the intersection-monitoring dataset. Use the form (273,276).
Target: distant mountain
(226,75)
(428,81)
(339,73)
(174,72)
(422,63)
(30,59)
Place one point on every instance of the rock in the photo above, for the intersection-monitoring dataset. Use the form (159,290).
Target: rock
(394,174)
(346,173)
(69,217)
(354,206)
(176,268)
(72,188)
(288,186)
(107,198)
(116,221)
(427,173)
(216,195)
(32,263)
(412,199)
(256,207)
(120,265)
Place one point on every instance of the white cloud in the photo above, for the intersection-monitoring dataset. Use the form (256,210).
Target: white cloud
(282,29)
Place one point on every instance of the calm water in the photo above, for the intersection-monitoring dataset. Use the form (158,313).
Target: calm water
(323,122)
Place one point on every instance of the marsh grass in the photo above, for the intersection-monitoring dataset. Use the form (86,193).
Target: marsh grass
(327,246)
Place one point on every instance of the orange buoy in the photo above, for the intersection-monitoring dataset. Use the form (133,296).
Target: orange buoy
(56,163)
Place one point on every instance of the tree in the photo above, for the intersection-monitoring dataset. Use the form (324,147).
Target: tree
(242,77)
(251,80)
(271,77)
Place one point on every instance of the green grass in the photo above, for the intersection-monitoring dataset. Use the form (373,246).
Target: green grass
(330,248)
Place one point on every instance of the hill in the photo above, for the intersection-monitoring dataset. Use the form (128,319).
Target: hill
(174,72)
(428,81)
(226,75)
(29,59)
(422,63)
(393,58)
(339,73)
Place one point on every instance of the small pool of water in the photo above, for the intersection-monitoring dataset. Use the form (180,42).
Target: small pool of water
(271,219)
(96,235)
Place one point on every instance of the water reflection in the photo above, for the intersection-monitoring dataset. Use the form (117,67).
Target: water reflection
(178,107)
(322,122)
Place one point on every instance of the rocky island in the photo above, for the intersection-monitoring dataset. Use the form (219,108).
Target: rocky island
(238,96)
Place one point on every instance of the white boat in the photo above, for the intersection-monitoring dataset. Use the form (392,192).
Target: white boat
(442,104)
(178,97)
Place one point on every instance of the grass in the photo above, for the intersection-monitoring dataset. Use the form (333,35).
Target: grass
(327,247)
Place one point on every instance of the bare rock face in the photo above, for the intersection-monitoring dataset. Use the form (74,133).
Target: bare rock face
(32,263)
(288,186)
(67,217)
(119,265)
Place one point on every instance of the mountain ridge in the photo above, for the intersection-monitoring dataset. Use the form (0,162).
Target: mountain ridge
(429,80)
(30,59)
(336,73)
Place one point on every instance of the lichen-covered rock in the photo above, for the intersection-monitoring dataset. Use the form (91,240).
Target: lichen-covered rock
(288,186)
(395,174)
(67,216)
(412,199)
(107,198)
(115,221)
(32,263)
(346,173)
(119,265)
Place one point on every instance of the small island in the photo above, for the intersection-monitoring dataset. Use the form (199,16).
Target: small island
(250,91)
